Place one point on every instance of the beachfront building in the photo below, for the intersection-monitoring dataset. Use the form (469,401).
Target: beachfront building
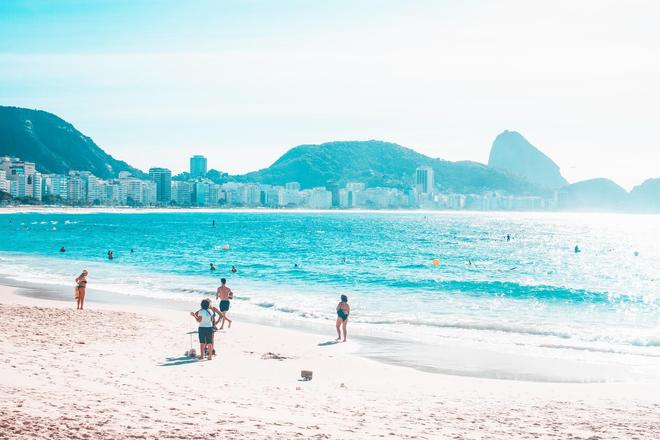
(319,198)
(23,178)
(381,198)
(76,189)
(95,190)
(199,193)
(163,179)
(136,192)
(424,180)
(4,183)
(56,185)
(181,193)
(112,192)
(347,198)
(197,166)
(292,198)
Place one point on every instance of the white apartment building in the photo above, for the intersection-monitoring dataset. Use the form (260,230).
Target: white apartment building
(56,185)
(319,198)
(181,193)
(4,183)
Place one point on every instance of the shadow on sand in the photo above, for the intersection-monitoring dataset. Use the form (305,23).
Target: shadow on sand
(325,344)
(171,361)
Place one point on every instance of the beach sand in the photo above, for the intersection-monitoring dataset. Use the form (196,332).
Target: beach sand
(118,371)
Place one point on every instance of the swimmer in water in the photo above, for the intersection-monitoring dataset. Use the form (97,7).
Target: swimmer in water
(110,255)
(212,266)
(577,249)
(213,223)
(508,237)
(233,269)
(62,249)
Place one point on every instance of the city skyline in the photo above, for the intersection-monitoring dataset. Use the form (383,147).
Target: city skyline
(242,87)
(23,183)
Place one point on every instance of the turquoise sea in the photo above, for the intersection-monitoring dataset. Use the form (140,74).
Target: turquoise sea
(529,308)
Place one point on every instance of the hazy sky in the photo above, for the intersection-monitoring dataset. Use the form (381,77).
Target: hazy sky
(153,82)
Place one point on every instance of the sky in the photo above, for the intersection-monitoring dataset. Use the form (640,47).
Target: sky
(241,82)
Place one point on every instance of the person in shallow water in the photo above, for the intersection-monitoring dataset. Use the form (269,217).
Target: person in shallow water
(224,294)
(62,249)
(81,287)
(343,310)
(233,269)
(212,266)
(205,331)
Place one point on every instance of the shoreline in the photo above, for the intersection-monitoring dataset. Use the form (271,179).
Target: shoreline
(37,209)
(94,379)
(383,349)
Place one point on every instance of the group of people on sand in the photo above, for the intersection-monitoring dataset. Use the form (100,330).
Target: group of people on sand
(208,316)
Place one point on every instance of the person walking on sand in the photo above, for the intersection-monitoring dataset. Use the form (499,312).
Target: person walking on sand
(343,310)
(224,294)
(205,331)
(81,286)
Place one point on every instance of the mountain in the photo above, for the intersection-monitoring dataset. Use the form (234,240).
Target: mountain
(512,152)
(646,197)
(594,195)
(378,163)
(54,144)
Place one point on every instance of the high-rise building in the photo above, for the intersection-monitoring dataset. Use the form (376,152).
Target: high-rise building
(27,181)
(320,198)
(199,193)
(197,166)
(182,192)
(76,189)
(424,180)
(56,185)
(163,179)
(95,190)
(4,183)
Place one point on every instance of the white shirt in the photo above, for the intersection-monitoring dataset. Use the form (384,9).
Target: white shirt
(206,315)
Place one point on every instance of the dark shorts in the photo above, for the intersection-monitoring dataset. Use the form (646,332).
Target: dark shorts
(205,335)
(224,305)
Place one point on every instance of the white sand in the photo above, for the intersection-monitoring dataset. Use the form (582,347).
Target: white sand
(118,372)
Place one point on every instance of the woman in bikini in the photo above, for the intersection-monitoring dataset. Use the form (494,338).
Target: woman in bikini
(81,286)
(343,310)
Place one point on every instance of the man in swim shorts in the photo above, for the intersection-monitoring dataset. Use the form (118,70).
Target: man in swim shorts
(224,294)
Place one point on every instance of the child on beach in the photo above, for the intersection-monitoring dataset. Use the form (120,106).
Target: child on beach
(204,317)
(343,310)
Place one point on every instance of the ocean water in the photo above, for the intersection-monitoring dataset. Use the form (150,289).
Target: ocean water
(529,308)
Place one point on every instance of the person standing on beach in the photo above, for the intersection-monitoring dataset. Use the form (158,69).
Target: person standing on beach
(224,294)
(205,331)
(81,286)
(343,310)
